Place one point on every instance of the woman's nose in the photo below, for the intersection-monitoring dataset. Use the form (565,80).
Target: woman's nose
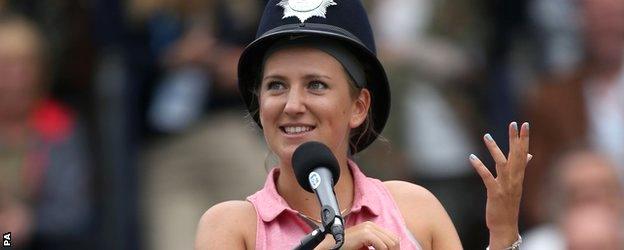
(295,103)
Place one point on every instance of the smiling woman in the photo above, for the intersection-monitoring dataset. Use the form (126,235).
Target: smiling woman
(316,78)
(298,104)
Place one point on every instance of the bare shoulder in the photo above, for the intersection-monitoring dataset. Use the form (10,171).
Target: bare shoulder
(424,215)
(408,192)
(417,204)
(230,223)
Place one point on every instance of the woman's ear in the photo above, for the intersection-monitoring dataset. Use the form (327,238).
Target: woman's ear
(360,108)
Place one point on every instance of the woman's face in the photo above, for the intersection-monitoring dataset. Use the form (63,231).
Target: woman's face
(305,95)
(20,70)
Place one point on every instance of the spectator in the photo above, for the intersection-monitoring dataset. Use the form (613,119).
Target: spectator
(584,108)
(593,227)
(579,179)
(198,50)
(210,155)
(44,176)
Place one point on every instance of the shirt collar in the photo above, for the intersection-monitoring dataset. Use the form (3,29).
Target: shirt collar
(364,195)
(269,204)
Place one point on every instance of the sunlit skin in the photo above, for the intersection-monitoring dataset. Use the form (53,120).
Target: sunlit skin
(303,86)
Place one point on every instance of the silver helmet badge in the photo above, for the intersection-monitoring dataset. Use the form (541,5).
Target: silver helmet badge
(304,9)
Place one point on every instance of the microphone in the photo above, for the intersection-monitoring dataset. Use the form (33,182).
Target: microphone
(317,170)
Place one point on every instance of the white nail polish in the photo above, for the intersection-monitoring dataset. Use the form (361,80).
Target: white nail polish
(473,157)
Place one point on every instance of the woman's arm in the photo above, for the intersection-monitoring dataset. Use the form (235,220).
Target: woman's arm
(227,225)
(505,190)
(424,215)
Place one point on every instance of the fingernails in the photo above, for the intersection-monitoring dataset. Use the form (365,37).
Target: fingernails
(473,157)
(488,137)
(525,126)
(514,125)
(529,157)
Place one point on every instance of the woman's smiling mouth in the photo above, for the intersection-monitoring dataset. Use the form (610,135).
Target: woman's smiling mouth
(296,129)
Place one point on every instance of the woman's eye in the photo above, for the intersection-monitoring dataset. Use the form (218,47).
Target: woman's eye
(275,85)
(317,85)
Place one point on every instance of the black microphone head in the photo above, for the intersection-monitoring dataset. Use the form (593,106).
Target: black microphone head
(309,156)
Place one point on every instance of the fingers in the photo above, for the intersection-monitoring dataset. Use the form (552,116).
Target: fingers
(511,166)
(385,242)
(513,140)
(391,240)
(524,137)
(486,175)
(368,234)
(484,172)
(518,148)
(522,140)
(513,134)
(375,242)
(495,151)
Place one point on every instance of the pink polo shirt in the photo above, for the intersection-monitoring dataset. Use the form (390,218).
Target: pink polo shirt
(281,227)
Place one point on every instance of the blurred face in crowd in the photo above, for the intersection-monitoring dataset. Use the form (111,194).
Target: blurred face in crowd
(20,65)
(590,179)
(306,95)
(592,227)
(604,29)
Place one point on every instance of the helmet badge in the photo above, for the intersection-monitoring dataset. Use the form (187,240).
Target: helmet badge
(304,9)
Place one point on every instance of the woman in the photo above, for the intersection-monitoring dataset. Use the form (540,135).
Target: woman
(312,74)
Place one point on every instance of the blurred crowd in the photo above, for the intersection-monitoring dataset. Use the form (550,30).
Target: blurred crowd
(120,121)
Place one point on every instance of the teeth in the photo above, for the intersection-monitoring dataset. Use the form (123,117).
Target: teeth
(294,130)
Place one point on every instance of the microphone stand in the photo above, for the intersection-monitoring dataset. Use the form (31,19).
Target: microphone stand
(331,221)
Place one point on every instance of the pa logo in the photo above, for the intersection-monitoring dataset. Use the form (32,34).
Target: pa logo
(6,239)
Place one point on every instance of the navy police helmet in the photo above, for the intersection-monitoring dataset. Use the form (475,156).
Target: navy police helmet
(341,21)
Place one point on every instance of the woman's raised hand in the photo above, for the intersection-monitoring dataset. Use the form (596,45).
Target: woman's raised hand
(364,235)
(505,190)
